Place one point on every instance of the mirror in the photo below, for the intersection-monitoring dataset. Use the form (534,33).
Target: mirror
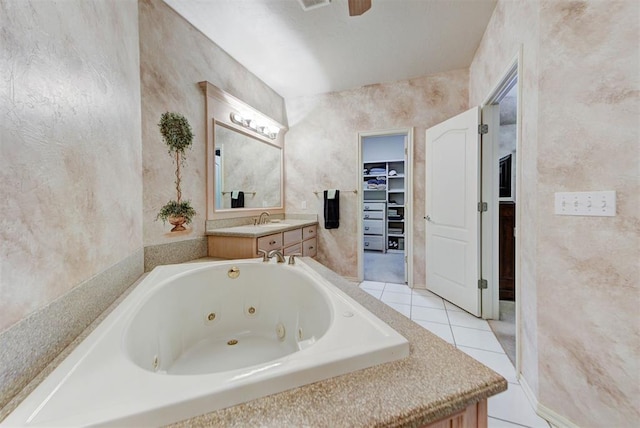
(247,171)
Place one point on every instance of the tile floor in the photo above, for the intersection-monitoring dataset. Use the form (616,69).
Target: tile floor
(470,335)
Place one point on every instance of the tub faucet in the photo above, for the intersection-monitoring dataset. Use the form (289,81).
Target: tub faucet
(292,260)
(264,254)
(263,217)
(278,255)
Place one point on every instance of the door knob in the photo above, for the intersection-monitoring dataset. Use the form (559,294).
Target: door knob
(428,218)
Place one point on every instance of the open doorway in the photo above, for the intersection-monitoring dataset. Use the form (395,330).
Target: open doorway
(505,326)
(385,206)
(500,170)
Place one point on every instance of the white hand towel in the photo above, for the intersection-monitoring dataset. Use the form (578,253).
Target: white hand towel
(331,193)
(234,194)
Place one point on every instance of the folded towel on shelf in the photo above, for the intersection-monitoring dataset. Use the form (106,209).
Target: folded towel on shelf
(332,209)
(377,171)
(381,186)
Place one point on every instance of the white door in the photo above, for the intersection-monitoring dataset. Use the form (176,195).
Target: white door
(452,217)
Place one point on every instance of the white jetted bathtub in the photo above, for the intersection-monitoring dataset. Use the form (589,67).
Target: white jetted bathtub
(198,337)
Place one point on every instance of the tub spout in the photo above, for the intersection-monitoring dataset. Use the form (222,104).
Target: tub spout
(277,254)
(264,254)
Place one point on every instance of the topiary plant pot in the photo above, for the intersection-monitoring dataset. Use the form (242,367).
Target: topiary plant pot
(177,223)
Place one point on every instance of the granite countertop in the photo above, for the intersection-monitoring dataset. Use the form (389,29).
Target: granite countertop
(433,382)
(251,231)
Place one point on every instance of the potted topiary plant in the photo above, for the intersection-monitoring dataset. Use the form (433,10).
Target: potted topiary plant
(176,132)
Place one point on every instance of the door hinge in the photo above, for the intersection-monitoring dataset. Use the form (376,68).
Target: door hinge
(483,129)
(482,207)
(483,284)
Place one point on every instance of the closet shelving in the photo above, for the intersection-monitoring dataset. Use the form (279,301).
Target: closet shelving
(385,185)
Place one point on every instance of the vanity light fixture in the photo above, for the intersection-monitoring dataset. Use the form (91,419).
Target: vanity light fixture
(265,130)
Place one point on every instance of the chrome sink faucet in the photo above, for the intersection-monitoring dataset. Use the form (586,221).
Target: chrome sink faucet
(263,217)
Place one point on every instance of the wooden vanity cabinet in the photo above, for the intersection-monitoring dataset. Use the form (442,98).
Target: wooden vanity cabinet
(296,241)
(270,242)
(474,416)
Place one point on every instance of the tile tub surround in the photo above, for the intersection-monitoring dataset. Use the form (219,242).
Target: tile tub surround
(394,394)
(28,346)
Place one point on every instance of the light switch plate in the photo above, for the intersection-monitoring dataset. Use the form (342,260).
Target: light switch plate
(599,204)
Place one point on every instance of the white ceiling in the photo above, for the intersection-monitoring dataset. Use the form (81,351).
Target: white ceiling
(324,49)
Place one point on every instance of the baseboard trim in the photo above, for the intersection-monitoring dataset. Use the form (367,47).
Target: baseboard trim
(555,419)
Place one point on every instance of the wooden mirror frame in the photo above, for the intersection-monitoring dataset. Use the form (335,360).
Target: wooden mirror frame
(218,108)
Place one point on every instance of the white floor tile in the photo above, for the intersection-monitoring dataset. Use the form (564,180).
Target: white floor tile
(499,363)
(512,405)
(465,319)
(397,288)
(452,307)
(403,309)
(393,297)
(372,285)
(426,299)
(375,293)
(441,330)
(429,314)
(474,338)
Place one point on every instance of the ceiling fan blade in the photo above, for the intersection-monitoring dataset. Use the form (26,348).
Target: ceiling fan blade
(358,7)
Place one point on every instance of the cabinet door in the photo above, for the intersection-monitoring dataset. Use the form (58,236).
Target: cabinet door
(292,236)
(373,215)
(373,227)
(309,247)
(373,243)
(293,249)
(309,232)
(374,206)
(270,242)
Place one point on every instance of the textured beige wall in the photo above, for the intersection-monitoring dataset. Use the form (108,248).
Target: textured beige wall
(71,181)
(322,152)
(174,57)
(580,275)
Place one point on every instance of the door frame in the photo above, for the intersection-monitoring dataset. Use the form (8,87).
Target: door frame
(409,199)
(489,248)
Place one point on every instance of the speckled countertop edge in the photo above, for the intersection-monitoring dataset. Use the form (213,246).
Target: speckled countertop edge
(434,381)
(250,231)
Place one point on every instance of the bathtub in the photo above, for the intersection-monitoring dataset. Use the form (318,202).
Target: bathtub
(197,337)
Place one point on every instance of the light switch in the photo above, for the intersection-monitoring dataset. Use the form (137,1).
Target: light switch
(303,205)
(598,204)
